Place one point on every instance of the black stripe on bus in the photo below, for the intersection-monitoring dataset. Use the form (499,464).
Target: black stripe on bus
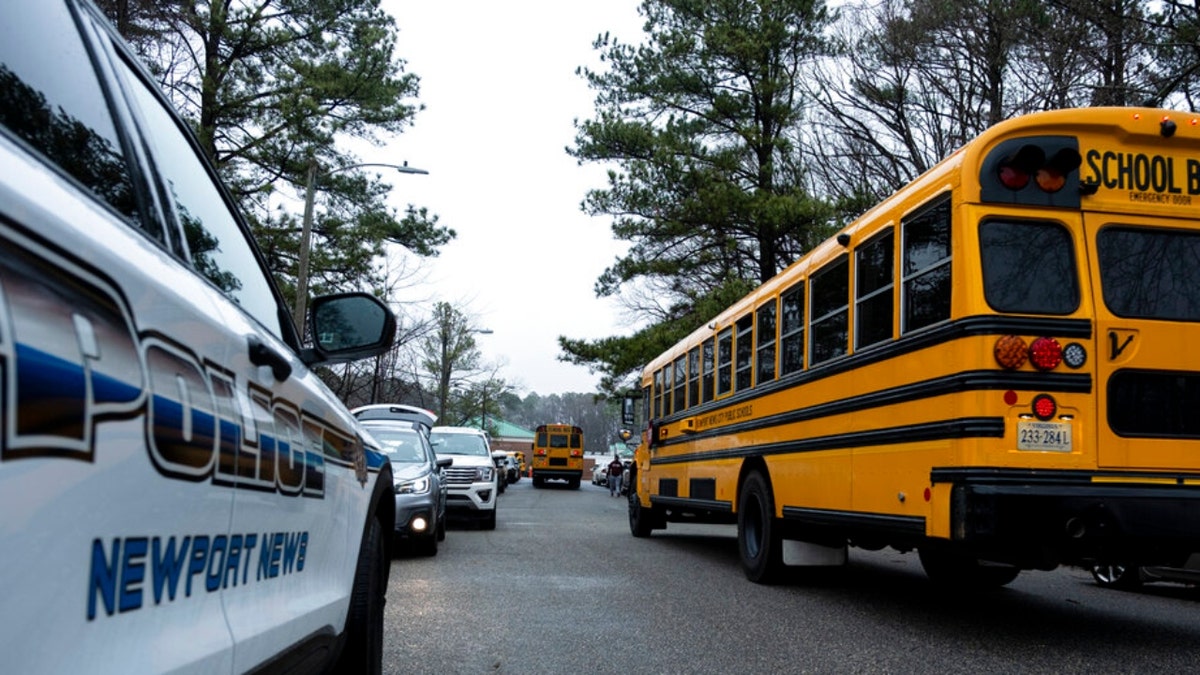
(971,326)
(686,504)
(1005,476)
(911,525)
(950,384)
(966,427)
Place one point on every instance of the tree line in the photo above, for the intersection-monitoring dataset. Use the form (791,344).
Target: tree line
(743,133)
(738,134)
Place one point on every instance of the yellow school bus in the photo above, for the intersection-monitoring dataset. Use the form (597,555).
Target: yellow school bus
(558,454)
(997,367)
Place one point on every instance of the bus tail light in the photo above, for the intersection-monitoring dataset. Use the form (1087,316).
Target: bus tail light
(1010,352)
(1030,161)
(1045,353)
(1044,407)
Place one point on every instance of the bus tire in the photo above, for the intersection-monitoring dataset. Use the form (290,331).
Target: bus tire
(363,651)
(575,483)
(962,572)
(759,543)
(641,521)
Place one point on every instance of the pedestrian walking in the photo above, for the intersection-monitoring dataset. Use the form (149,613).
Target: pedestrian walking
(615,469)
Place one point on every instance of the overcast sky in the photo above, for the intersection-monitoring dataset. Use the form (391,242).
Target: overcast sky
(500,93)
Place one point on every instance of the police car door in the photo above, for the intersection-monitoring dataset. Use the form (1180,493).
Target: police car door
(287,564)
(111,517)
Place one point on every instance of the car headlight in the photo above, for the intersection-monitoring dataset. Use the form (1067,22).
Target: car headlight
(485,474)
(412,487)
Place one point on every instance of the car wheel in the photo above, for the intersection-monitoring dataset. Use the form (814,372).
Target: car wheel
(759,544)
(441,528)
(426,546)
(488,522)
(1116,576)
(955,570)
(363,650)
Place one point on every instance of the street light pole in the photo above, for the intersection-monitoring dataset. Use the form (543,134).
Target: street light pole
(484,331)
(306,228)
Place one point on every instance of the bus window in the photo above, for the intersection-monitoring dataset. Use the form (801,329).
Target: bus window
(1150,274)
(830,290)
(745,352)
(706,381)
(1028,267)
(658,394)
(680,383)
(873,286)
(694,376)
(766,343)
(668,389)
(791,330)
(926,292)
(725,362)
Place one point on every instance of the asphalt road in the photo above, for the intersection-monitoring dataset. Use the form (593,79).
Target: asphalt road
(560,586)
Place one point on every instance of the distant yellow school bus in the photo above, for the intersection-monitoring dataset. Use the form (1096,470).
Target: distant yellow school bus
(997,367)
(558,454)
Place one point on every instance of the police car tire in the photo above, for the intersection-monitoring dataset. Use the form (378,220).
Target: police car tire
(363,651)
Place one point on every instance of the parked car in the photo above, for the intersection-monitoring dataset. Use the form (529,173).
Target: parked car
(512,469)
(600,474)
(181,492)
(1131,576)
(500,460)
(397,412)
(520,458)
(420,485)
(472,480)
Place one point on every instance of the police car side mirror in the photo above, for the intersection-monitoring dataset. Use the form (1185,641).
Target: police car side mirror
(348,327)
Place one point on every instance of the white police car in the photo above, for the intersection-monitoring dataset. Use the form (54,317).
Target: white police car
(179,492)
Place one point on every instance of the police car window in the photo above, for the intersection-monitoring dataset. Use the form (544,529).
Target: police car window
(219,248)
(50,98)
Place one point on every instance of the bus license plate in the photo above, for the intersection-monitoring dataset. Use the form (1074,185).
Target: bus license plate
(1046,436)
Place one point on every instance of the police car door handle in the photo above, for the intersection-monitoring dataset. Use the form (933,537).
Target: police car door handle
(262,355)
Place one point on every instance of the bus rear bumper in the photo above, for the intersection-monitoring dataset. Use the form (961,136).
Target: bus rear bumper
(1043,523)
(560,474)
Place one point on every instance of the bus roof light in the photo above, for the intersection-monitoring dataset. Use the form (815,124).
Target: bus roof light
(1166,127)
(1045,353)
(1016,169)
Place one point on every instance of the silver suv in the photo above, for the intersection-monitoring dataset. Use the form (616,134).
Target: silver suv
(472,480)
(180,492)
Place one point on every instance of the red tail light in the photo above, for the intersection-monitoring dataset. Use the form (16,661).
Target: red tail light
(1044,407)
(1045,353)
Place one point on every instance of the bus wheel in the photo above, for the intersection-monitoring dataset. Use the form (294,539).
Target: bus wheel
(641,521)
(759,543)
(955,570)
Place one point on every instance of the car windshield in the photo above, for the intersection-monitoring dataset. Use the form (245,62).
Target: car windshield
(400,445)
(458,444)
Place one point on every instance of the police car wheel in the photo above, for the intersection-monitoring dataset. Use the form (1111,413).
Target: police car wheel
(363,652)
